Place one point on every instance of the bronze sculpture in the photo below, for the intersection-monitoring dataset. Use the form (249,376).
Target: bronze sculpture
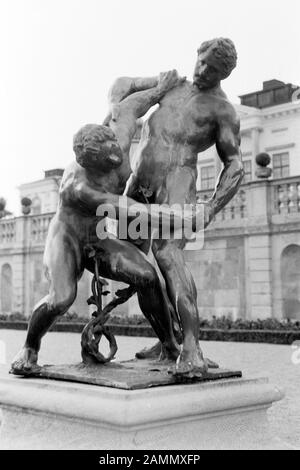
(191,118)
(99,174)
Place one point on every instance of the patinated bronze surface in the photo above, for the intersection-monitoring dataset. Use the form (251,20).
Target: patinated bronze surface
(96,328)
(129,375)
(97,177)
(191,117)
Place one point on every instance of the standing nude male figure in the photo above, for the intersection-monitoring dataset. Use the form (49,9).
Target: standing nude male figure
(191,117)
(97,177)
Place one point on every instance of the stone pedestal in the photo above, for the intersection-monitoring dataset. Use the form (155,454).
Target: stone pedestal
(223,414)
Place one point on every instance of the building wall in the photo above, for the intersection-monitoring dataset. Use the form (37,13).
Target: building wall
(249,264)
(281,133)
(286,285)
(273,130)
(22,242)
(43,193)
(219,273)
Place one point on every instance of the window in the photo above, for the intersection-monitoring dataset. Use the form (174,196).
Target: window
(281,165)
(247,164)
(207,177)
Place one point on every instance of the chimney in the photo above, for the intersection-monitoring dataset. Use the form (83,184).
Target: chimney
(53,173)
(272,84)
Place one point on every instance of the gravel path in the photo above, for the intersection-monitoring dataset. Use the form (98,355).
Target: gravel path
(273,361)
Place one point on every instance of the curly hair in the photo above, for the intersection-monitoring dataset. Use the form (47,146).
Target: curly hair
(90,144)
(91,135)
(224,51)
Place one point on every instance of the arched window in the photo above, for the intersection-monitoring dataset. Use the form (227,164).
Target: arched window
(6,288)
(290,282)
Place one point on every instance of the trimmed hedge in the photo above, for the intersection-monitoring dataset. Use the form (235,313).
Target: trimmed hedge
(216,329)
(219,323)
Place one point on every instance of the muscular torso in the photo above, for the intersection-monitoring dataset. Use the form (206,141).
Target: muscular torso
(75,214)
(183,125)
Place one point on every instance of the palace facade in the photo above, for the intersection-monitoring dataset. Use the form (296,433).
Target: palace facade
(249,266)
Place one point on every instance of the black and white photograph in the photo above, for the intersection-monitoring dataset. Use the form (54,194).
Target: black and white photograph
(149,229)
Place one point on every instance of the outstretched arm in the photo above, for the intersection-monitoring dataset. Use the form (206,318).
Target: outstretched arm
(124,207)
(125,86)
(126,112)
(228,148)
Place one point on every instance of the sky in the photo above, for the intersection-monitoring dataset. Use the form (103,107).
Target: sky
(59,58)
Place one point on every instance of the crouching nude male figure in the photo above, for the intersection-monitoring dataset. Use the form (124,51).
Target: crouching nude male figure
(191,117)
(97,177)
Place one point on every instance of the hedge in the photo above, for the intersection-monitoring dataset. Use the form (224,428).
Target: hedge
(216,329)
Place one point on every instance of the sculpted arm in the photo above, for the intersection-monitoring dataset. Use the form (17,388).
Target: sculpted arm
(228,148)
(125,86)
(123,206)
(125,113)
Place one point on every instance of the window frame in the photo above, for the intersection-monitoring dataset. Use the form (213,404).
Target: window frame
(282,166)
(207,182)
(247,161)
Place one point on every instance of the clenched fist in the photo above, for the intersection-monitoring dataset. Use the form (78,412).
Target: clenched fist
(170,79)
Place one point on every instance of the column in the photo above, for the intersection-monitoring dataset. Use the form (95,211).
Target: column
(260,276)
(255,145)
(259,251)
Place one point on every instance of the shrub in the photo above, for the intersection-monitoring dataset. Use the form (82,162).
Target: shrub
(217,323)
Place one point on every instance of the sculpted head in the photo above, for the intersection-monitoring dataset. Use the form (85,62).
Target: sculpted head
(96,148)
(216,60)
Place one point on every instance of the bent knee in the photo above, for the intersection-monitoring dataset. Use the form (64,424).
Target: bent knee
(164,257)
(147,278)
(60,303)
(150,276)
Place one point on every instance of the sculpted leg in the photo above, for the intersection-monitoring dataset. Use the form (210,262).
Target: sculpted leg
(157,350)
(135,191)
(182,292)
(62,271)
(123,262)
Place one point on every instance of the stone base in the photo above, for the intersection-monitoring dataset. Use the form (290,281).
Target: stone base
(222,414)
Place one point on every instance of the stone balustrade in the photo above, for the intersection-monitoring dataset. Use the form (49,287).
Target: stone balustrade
(236,209)
(247,265)
(25,230)
(283,197)
(286,195)
(274,200)
(7,231)
(39,225)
